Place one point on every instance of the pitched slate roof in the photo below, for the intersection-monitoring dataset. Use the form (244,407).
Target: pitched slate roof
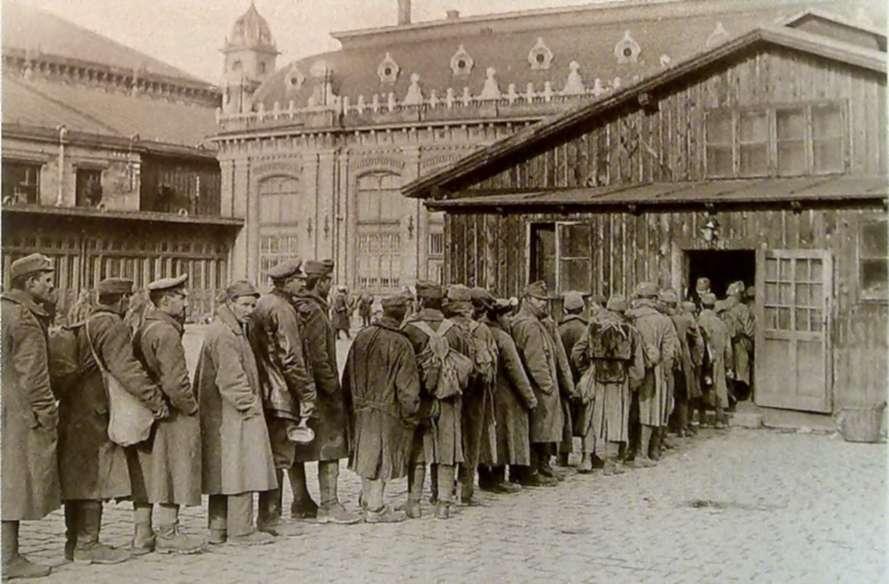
(762,191)
(44,104)
(486,161)
(28,29)
(586,34)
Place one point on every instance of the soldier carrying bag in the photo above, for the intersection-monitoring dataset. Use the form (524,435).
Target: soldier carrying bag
(443,371)
(130,421)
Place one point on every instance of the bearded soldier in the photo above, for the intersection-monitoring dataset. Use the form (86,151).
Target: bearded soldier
(30,418)
(168,472)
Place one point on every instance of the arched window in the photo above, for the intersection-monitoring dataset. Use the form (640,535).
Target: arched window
(279,215)
(380,210)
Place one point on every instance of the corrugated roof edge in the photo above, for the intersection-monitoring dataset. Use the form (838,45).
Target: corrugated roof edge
(547,128)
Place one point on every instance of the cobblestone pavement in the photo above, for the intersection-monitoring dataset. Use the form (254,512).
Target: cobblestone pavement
(728,506)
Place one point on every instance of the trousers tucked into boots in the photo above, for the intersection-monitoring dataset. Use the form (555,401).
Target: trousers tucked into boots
(230,515)
(303,506)
(270,503)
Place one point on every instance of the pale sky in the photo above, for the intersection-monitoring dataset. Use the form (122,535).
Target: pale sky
(189,33)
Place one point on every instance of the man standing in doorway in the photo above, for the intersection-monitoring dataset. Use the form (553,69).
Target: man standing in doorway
(331,430)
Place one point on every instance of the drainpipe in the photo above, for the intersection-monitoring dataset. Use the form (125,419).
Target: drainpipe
(63,135)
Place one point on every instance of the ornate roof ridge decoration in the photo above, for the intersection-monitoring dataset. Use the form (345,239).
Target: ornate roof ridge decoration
(388,69)
(718,36)
(627,50)
(414,93)
(574,83)
(462,62)
(490,90)
(540,56)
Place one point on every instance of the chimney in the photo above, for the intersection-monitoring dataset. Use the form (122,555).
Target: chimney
(404,12)
(452,14)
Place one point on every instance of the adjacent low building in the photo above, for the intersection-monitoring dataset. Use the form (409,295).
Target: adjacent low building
(762,159)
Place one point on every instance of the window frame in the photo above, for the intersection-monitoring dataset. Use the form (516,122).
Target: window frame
(879,296)
(558,259)
(36,167)
(808,139)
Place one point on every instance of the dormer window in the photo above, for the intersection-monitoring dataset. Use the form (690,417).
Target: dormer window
(540,56)
(461,62)
(388,69)
(627,50)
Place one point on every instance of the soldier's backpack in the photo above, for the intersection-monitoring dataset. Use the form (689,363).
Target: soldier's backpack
(484,354)
(444,371)
(610,347)
(64,360)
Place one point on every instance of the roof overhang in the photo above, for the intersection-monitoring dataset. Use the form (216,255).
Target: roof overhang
(487,161)
(81,213)
(757,192)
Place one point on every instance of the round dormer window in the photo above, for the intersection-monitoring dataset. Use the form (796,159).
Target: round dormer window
(295,78)
(540,56)
(627,50)
(388,69)
(461,62)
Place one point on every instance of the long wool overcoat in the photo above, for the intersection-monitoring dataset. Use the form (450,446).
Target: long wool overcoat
(571,329)
(660,345)
(170,470)
(30,419)
(91,466)
(691,349)
(319,346)
(742,330)
(235,449)
(342,312)
(381,385)
(513,399)
(439,440)
(609,411)
(539,355)
(719,345)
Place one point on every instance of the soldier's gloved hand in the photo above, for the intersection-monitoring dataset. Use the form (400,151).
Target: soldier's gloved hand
(162,413)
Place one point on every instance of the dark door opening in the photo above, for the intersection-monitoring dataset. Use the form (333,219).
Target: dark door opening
(722,267)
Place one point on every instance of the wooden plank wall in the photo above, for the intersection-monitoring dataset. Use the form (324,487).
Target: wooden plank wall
(490,250)
(666,142)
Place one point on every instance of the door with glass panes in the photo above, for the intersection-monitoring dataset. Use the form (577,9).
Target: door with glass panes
(792,353)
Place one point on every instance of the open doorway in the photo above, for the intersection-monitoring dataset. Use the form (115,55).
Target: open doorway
(722,267)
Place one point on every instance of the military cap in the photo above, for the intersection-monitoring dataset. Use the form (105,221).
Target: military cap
(167,283)
(708,299)
(572,301)
(316,269)
(502,305)
(342,288)
(597,299)
(395,301)
(617,303)
(687,306)
(538,289)
(703,283)
(481,296)
(668,296)
(427,289)
(30,264)
(736,288)
(285,269)
(240,288)
(459,293)
(114,286)
(328,265)
(646,290)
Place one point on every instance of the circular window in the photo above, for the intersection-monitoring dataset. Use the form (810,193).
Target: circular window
(461,64)
(540,58)
(628,52)
(388,71)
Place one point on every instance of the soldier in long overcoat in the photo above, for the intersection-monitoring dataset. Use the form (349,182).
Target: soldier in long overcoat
(288,392)
(331,426)
(743,334)
(237,459)
(381,385)
(577,415)
(691,348)
(661,349)
(341,313)
(537,348)
(365,308)
(439,438)
(30,487)
(614,379)
(513,400)
(92,468)
(167,472)
(718,357)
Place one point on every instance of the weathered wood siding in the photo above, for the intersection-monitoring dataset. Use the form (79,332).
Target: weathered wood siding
(490,250)
(665,141)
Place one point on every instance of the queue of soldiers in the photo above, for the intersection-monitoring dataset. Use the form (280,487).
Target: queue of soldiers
(452,380)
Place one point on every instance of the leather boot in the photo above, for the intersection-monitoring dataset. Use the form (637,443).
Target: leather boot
(70,529)
(642,460)
(15,565)
(331,510)
(88,549)
(415,479)
(654,447)
(303,507)
(445,479)
(270,518)
(586,464)
(171,539)
(143,535)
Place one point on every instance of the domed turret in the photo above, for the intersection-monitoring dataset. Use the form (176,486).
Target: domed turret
(250,55)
